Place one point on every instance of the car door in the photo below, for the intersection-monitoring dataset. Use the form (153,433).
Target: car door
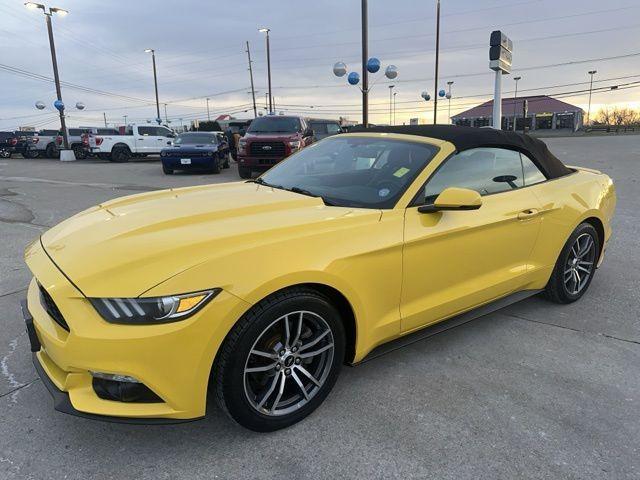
(163,139)
(456,260)
(146,139)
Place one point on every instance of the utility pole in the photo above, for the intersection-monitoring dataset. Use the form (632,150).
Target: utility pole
(266,31)
(435,88)
(104,115)
(166,118)
(592,73)
(208,114)
(125,120)
(391,103)
(253,92)
(515,102)
(365,56)
(155,83)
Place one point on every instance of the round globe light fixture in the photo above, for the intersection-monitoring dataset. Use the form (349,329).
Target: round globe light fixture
(373,65)
(448,95)
(340,69)
(80,106)
(391,72)
(353,78)
(59,104)
(442,93)
(40,105)
(425,95)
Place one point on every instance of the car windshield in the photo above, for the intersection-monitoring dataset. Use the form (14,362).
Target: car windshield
(275,125)
(196,139)
(367,172)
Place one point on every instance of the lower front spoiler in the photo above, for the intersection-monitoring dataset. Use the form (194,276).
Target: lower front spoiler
(61,401)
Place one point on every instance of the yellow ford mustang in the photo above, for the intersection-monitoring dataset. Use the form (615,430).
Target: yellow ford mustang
(259,291)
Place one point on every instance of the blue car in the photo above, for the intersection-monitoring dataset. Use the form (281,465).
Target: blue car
(205,151)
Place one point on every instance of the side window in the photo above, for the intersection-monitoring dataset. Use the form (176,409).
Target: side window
(485,170)
(333,128)
(163,132)
(531,172)
(147,131)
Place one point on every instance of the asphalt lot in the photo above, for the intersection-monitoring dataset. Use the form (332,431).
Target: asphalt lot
(534,391)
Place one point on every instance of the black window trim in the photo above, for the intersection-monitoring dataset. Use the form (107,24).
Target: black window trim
(418,199)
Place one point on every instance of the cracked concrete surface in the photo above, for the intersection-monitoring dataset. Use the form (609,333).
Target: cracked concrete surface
(536,390)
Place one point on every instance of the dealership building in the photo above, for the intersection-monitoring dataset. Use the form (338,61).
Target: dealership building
(544,113)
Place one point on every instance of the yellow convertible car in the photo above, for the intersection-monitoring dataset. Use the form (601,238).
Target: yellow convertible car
(256,293)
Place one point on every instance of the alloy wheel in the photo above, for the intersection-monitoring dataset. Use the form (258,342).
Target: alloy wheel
(288,363)
(580,263)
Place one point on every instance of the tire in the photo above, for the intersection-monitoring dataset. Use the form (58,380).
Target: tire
(215,168)
(244,172)
(5,153)
(51,151)
(253,399)
(575,267)
(79,152)
(31,154)
(227,161)
(120,154)
(167,171)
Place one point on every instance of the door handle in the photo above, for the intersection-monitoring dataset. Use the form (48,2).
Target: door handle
(529,213)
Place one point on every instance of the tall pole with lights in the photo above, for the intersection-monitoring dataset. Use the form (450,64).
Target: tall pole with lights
(515,102)
(365,57)
(449,83)
(390,103)
(253,91)
(266,31)
(592,73)
(394,107)
(435,88)
(48,13)
(208,114)
(155,82)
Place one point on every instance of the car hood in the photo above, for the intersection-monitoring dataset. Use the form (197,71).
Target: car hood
(126,246)
(262,137)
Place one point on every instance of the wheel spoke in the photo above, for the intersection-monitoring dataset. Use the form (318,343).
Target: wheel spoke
(265,368)
(584,269)
(280,392)
(264,354)
(308,375)
(297,380)
(272,387)
(287,333)
(316,352)
(586,247)
(314,341)
(299,329)
(584,262)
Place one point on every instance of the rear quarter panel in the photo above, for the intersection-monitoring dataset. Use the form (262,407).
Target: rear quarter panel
(565,203)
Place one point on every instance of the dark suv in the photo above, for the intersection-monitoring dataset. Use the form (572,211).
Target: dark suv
(26,143)
(8,143)
(269,140)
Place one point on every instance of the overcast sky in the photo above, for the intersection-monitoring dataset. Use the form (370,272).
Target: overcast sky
(200,50)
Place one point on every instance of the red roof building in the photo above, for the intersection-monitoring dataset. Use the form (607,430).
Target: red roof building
(543,113)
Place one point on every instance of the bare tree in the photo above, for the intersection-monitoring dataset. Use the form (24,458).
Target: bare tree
(618,117)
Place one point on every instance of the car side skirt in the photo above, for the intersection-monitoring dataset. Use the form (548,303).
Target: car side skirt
(445,325)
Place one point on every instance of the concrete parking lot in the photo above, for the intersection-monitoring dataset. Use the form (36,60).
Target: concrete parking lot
(536,390)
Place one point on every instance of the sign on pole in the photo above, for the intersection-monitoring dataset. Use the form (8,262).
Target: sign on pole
(500,58)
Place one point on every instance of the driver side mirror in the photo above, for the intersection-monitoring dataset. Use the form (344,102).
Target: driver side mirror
(308,132)
(454,199)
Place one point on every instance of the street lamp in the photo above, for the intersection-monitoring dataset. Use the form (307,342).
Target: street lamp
(48,13)
(208,114)
(449,83)
(155,82)
(435,88)
(592,73)
(394,107)
(266,31)
(515,102)
(390,102)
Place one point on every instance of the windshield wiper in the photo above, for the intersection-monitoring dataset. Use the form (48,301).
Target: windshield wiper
(260,181)
(293,189)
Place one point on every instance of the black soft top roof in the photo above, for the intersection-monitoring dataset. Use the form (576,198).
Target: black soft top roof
(464,138)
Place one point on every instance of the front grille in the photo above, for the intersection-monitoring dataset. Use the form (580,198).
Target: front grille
(267,149)
(51,308)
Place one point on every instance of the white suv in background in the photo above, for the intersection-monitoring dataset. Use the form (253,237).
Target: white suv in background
(137,141)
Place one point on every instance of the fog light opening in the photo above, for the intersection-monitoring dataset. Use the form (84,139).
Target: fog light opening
(122,388)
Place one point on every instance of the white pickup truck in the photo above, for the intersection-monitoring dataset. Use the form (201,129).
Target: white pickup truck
(137,141)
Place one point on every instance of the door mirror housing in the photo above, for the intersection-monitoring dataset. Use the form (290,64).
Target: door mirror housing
(454,199)
(308,132)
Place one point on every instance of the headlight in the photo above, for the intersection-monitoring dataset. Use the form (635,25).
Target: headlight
(163,153)
(144,311)
(295,144)
(210,153)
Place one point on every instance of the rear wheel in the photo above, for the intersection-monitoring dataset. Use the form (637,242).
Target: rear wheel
(280,361)
(51,151)
(244,172)
(79,152)
(167,171)
(120,154)
(575,266)
(31,153)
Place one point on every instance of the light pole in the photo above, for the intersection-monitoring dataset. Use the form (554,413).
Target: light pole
(125,120)
(515,102)
(592,73)
(394,107)
(208,114)
(166,118)
(48,13)
(266,31)
(155,82)
(449,83)
(390,103)
(435,87)
(365,55)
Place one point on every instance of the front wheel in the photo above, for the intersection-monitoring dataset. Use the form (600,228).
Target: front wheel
(120,154)
(281,360)
(227,161)
(32,153)
(80,153)
(575,266)
(167,170)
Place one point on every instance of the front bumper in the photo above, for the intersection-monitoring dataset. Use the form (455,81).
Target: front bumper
(175,163)
(173,360)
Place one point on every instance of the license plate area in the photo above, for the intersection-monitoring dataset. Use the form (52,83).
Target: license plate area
(185,161)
